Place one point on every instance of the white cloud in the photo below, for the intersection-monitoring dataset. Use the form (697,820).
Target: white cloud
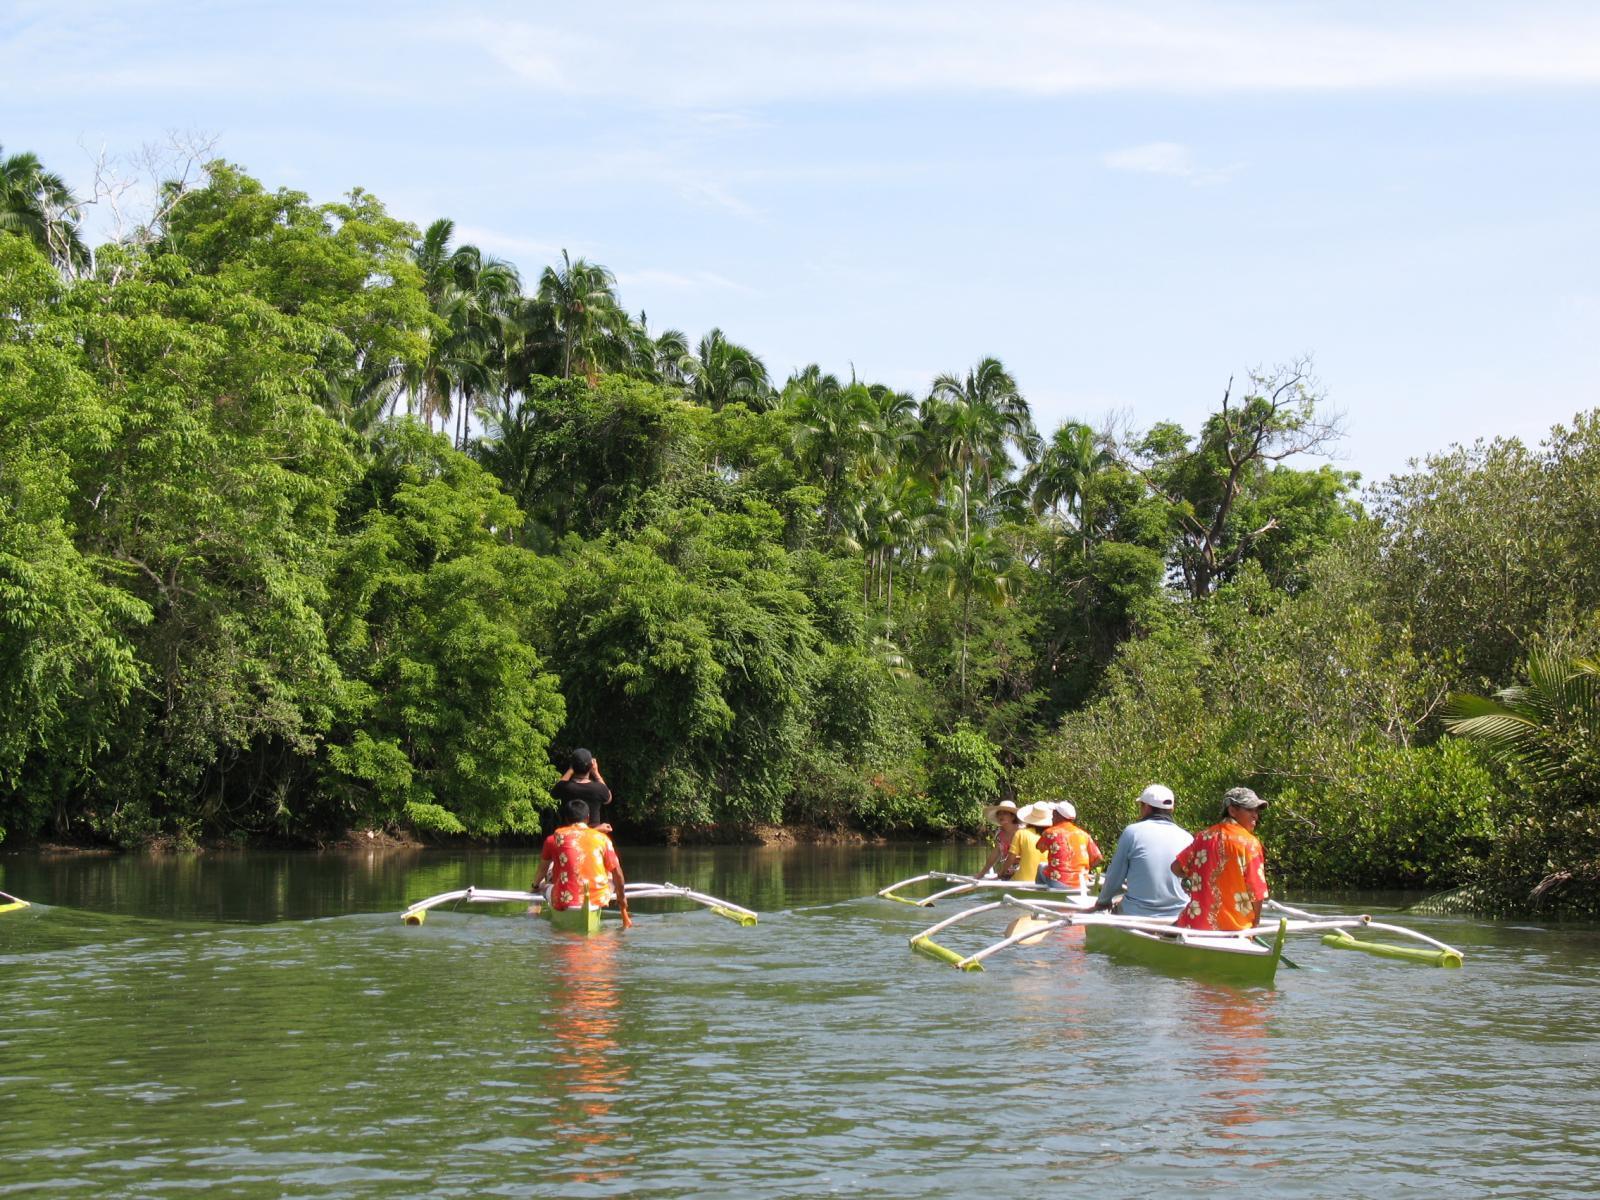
(730,52)
(1165,158)
(726,55)
(1154,158)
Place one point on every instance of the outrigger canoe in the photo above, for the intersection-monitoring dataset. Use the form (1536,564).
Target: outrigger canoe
(585,919)
(9,903)
(966,885)
(1243,956)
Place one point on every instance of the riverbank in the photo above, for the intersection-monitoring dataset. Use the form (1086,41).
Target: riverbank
(406,840)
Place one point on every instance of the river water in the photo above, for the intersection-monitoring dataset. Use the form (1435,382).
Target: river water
(264,1025)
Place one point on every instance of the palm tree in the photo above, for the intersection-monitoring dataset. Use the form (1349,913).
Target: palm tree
(534,343)
(583,303)
(1064,467)
(471,296)
(969,424)
(1550,727)
(832,428)
(1060,477)
(359,398)
(981,564)
(509,448)
(36,204)
(673,364)
(428,382)
(487,290)
(898,512)
(722,372)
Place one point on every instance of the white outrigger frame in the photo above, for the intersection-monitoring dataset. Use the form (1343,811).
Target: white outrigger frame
(1048,915)
(964,885)
(635,891)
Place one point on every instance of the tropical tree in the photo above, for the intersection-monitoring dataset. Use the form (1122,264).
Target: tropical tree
(1064,468)
(511,448)
(896,515)
(895,427)
(672,363)
(722,372)
(487,289)
(976,564)
(969,424)
(833,428)
(471,297)
(1207,484)
(37,204)
(582,301)
(1549,727)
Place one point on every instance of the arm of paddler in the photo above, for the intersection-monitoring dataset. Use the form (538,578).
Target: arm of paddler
(621,884)
(1116,874)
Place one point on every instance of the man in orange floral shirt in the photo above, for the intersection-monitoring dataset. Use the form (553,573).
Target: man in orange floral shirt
(1070,848)
(581,863)
(1224,869)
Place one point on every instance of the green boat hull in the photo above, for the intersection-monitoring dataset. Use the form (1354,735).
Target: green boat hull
(585,919)
(1233,964)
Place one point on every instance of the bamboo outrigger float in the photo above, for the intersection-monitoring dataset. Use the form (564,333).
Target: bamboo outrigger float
(1245,956)
(965,885)
(10,903)
(585,919)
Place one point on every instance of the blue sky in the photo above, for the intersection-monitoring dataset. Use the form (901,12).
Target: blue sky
(1126,202)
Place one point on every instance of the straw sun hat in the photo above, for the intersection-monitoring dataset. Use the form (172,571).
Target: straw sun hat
(991,812)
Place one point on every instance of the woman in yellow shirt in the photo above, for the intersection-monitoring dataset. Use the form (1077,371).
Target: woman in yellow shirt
(1025,855)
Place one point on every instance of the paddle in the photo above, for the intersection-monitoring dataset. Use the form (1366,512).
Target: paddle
(1282,957)
(1266,945)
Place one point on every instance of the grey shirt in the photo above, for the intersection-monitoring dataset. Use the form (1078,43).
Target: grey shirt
(1144,862)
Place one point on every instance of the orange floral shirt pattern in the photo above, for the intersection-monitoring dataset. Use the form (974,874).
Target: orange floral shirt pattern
(1225,872)
(580,858)
(1072,852)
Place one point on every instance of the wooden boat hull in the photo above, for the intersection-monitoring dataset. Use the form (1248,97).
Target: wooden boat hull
(1234,960)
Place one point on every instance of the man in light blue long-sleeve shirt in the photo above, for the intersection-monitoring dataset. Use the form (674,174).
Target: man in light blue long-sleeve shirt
(1143,861)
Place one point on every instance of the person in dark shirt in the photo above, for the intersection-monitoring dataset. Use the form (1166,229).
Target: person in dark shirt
(583,781)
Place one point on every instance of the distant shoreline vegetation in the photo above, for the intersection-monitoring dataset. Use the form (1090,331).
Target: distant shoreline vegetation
(312,521)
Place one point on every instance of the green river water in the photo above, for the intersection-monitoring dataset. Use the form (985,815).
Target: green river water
(264,1025)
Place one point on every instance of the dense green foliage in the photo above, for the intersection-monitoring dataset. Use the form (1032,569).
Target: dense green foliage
(1330,695)
(312,521)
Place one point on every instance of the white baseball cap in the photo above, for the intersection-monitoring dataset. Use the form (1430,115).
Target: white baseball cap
(1158,795)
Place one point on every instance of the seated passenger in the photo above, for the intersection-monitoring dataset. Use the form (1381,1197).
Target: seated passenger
(580,863)
(1069,850)
(1224,869)
(1026,856)
(1143,861)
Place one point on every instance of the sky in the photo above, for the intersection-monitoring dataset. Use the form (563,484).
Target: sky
(1128,202)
